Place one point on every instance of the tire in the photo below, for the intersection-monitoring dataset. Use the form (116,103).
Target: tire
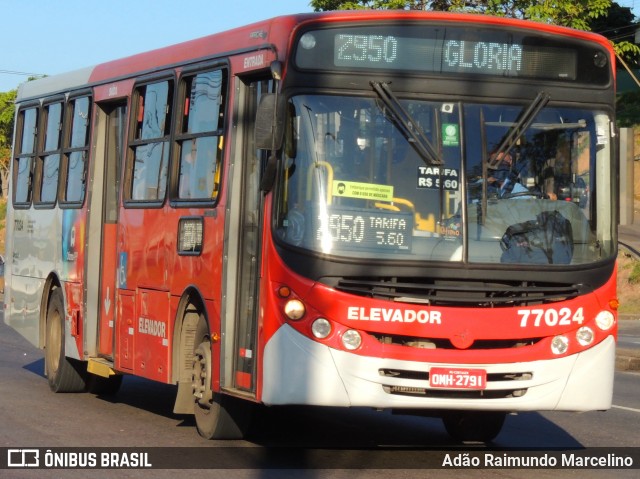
(65,375)
(476,426)
(217,416)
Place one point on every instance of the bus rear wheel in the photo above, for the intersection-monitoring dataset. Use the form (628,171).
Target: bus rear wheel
(65,375)
(474,426)
(217,416)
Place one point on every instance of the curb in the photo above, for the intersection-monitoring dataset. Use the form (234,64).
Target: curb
(627,360)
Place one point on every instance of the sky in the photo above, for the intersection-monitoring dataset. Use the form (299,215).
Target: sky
(57,36)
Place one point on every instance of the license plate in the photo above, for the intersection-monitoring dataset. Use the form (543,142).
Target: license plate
(456,378)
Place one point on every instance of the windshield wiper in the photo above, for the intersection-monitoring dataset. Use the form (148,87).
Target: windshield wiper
(407,125)
(519,128)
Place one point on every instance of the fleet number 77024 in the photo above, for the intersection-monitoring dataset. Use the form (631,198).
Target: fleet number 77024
(550,317)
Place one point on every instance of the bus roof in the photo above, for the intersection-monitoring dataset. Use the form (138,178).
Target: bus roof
(273,33)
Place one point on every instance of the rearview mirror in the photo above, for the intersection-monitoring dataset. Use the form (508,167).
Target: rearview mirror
(269,126)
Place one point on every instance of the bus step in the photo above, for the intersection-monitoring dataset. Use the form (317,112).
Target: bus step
(101,367)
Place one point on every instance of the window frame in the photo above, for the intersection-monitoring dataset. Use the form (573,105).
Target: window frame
(182,136)
(68,150)
(19,155)
(43,153)
(135,140)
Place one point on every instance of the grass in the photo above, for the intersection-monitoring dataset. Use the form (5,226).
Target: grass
(634,276)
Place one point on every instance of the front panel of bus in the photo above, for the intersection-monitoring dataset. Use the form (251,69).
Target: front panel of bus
(442,225)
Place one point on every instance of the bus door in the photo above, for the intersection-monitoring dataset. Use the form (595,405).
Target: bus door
(240,308)
(102,229)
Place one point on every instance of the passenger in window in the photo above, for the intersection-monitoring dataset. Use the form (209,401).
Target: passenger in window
(354,164)
(187,170)
(549,177)
(197,169)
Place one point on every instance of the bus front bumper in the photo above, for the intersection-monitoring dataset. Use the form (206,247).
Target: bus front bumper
(297,370)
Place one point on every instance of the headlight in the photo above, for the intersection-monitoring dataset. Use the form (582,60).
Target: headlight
(294,309)
(559,345)
(585,336)
(321,328)
(605,320)
(351,339)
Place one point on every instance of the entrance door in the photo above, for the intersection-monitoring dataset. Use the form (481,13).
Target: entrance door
(103,219)
(243,245)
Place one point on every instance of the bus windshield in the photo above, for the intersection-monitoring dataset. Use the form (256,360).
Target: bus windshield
(354,184)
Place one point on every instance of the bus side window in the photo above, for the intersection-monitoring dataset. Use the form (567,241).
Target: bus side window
(150,145)
(75,152)
(48,162)
(200,141)
(22,176)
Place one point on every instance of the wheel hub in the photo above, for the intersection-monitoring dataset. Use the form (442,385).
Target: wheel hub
(201,375)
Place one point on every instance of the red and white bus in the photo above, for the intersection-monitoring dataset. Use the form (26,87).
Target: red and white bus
(399,210)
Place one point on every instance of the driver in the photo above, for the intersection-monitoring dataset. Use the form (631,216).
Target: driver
(503,179)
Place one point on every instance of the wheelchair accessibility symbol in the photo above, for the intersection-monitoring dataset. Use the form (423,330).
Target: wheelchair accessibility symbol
(122,271)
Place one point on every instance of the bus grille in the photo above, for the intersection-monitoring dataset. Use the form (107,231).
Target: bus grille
(451,394)
(443,343)
(460,293)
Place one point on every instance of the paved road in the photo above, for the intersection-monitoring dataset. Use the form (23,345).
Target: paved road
(629,334)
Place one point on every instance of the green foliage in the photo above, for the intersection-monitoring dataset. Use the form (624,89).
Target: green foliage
(628,109)
(7,112)
(327,5)
(616,24)
(630,52)
(570,13)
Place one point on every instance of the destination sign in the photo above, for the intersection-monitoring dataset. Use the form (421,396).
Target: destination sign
(505,59)
(359,228)
(452,49)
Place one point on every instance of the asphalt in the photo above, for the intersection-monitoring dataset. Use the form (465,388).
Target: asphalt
(628,359)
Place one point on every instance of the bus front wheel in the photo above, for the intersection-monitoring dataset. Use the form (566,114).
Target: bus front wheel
(65,375)
(217,416)
(474,426)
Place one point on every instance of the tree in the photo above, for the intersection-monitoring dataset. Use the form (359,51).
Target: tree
(619,27)
(628,109)
(617,24)
(326,5)
(602,16)
(7,113)
(569,13)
